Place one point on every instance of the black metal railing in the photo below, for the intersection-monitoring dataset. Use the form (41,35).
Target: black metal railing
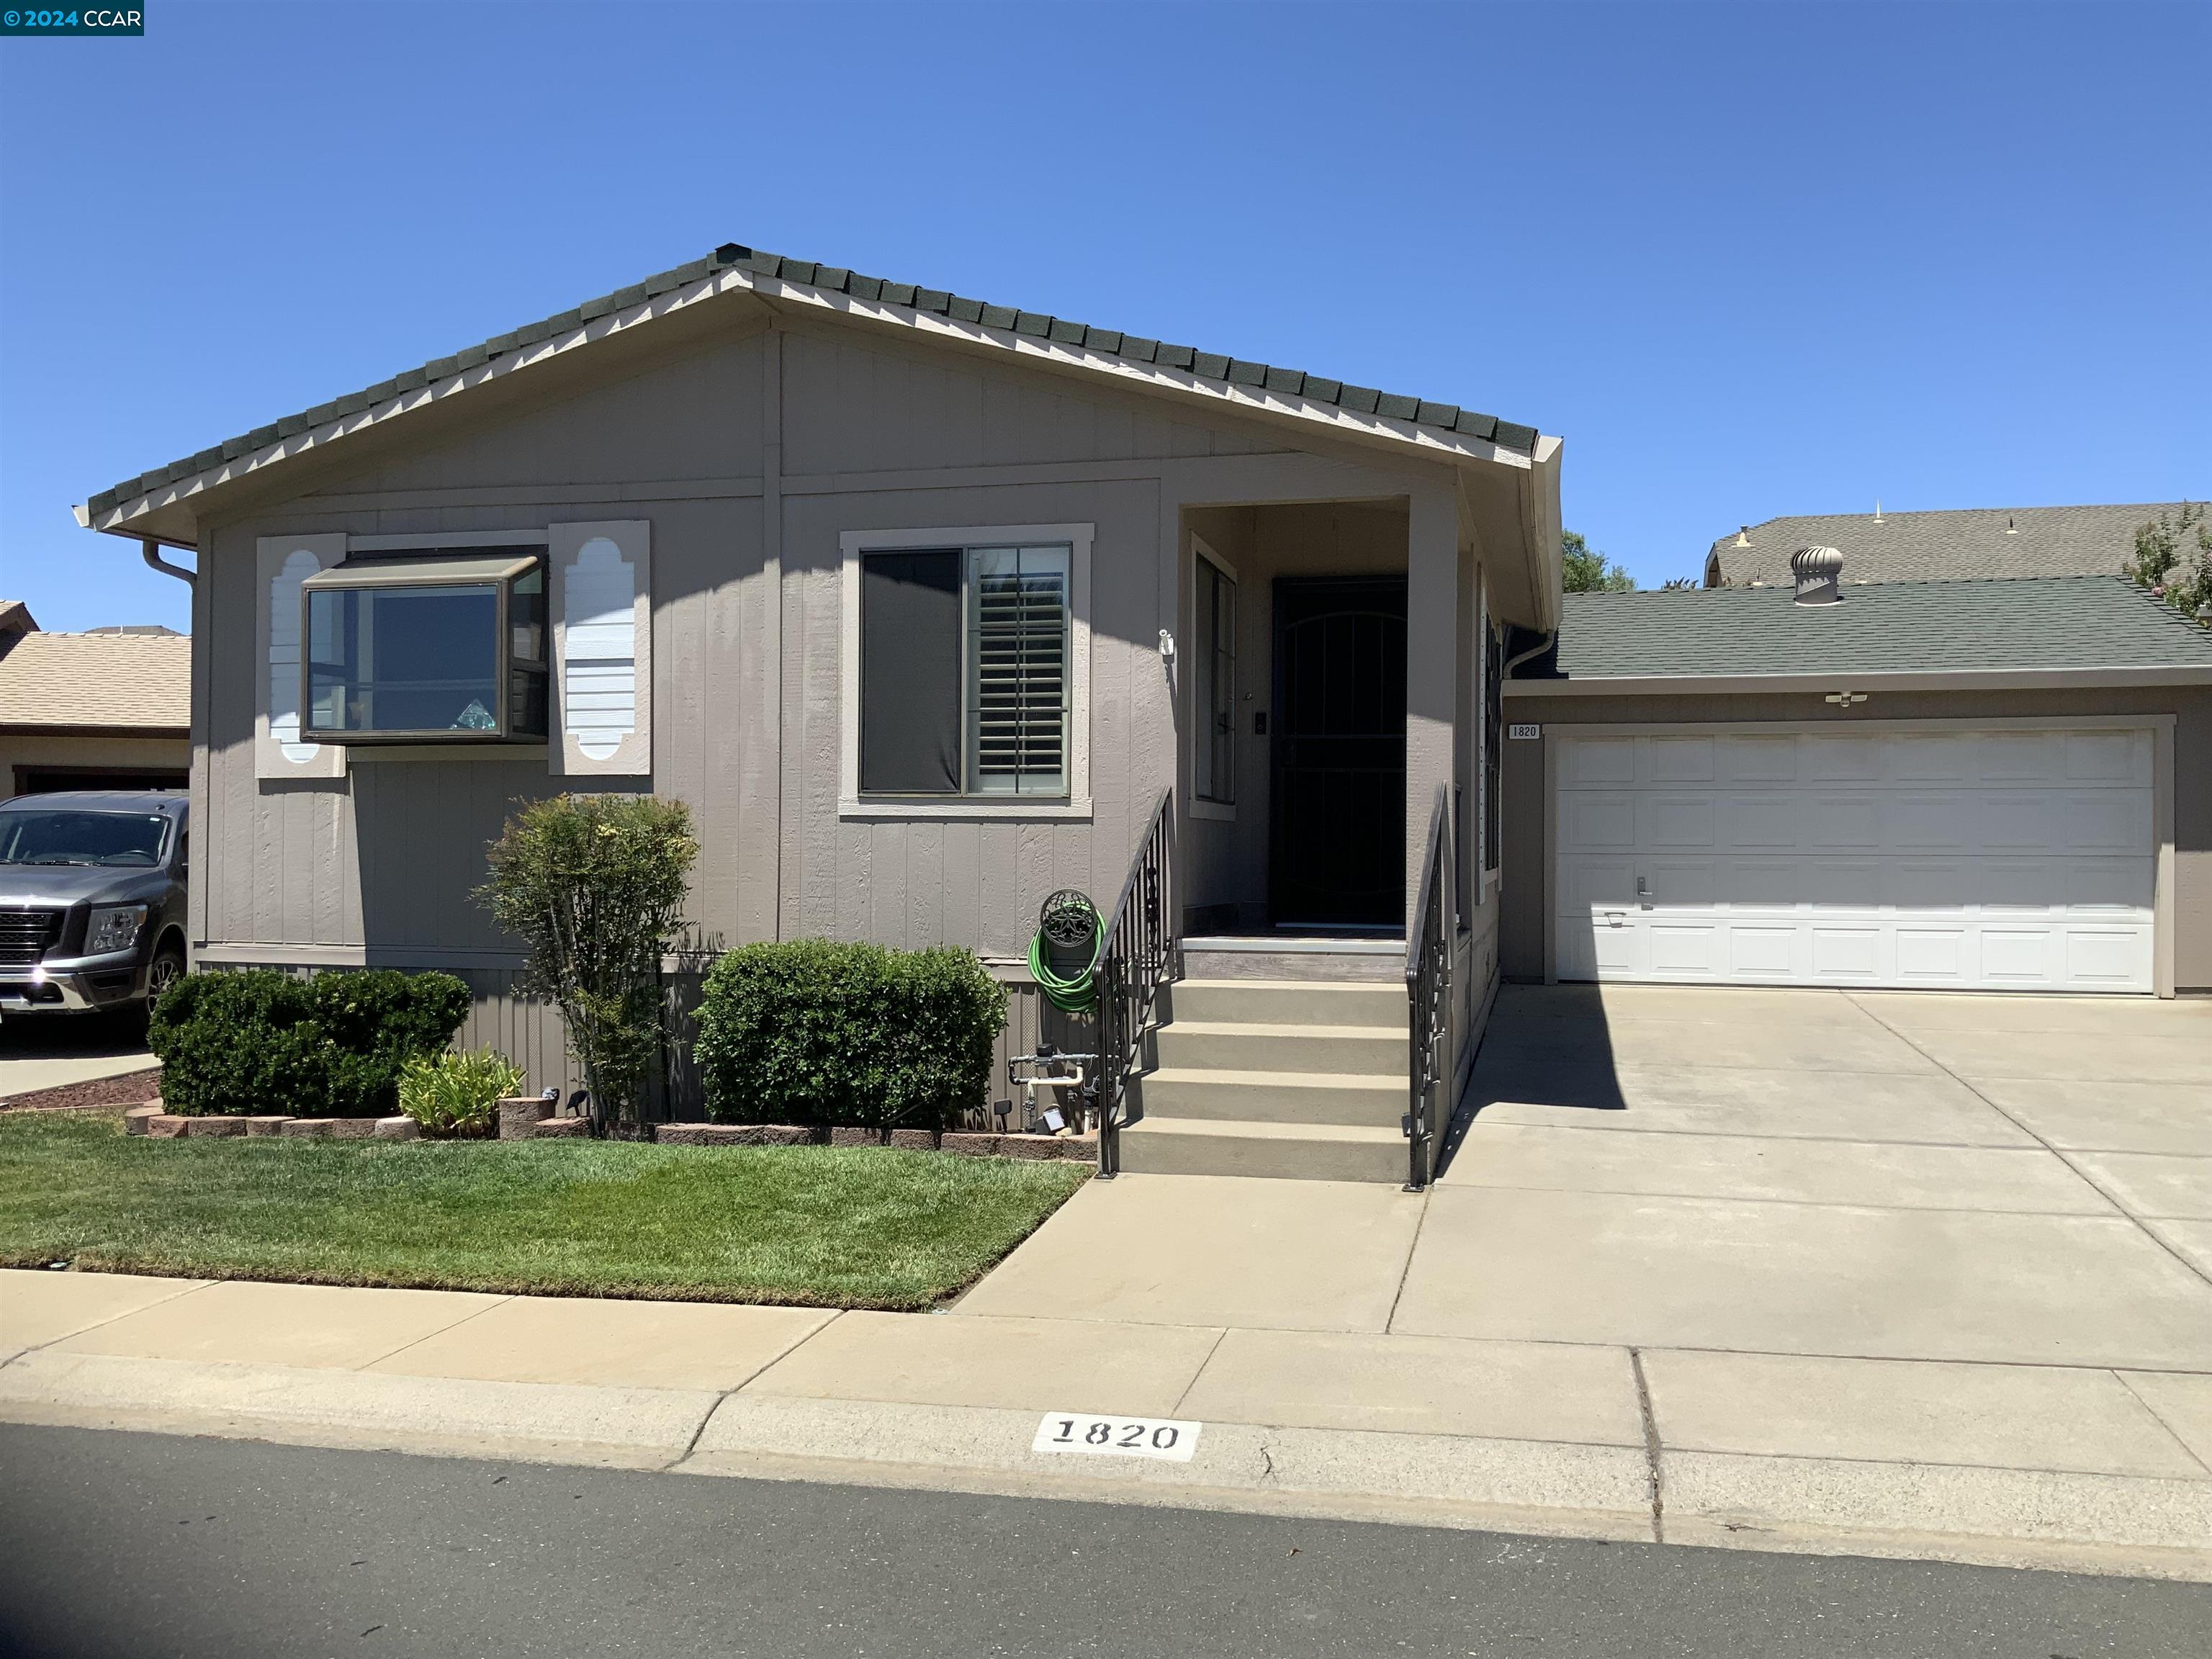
(1137,958)
(1428,995)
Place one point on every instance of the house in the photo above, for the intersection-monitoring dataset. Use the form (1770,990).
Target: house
(922,604)
(1995,784)
(1905,547)
(107,709)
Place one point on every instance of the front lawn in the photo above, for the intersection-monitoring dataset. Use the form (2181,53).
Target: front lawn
(820,1226)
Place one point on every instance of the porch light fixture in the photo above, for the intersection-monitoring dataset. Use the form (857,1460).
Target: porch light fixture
(446,648)
(1846,699)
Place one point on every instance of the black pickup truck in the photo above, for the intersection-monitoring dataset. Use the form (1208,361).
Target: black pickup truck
(92,900)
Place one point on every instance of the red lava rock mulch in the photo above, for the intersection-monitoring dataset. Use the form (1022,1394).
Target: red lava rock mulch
(131,1089)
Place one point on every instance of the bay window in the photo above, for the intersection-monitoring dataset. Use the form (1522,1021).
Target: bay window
(449,646)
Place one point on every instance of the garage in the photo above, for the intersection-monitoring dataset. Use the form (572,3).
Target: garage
(1970,859)
(1999,785)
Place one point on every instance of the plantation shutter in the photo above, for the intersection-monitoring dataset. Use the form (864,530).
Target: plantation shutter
(1018,646)
(911,648)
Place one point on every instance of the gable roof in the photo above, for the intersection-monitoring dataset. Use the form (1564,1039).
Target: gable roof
(16,618)
(1439,426)
(1972,543)
(132,683)
(2040,626)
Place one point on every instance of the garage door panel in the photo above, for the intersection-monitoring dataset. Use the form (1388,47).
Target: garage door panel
(1853,955)
(2104,820)
(1941,821)
(1758,760)
(1672,820)
(2007,859)
(1590,821)
(2121,757)
(1852,822)
(2022,757)
(1766,820)
(1597,763)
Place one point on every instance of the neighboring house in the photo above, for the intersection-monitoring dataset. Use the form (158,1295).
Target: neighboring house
(1995,784)
(1908,547)
(109,709)
(919,603)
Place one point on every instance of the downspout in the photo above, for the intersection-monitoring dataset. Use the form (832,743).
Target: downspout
(152,550)
(1536,650)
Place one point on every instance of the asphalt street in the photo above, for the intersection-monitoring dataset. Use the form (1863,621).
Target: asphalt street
(114,1544)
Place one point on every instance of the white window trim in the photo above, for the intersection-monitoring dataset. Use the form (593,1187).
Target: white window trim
(1076,805)
(1222,810)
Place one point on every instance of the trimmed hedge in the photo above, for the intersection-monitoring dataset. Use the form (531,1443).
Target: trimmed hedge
(817,1031)
(263,1043)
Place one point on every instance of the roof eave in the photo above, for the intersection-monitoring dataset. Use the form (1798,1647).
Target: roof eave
(1953,679)
(145,512)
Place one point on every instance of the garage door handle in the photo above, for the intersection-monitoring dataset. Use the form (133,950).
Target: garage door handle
(1616,918)
(1643,891)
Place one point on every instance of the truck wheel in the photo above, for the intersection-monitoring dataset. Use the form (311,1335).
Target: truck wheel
(169,967)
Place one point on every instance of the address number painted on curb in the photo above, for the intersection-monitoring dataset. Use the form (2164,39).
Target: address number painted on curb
(1116,1436)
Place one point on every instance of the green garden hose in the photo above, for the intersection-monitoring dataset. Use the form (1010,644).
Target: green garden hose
(1068,920)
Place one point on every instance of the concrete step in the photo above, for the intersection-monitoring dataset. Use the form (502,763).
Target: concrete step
(1287,1001)
(1269,957)
(1306,1151)
(1377,1101)
(1206,1045)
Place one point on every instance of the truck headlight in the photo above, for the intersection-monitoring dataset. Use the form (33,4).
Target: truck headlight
(114,927)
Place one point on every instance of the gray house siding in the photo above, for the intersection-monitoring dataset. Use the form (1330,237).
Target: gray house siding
(750,455)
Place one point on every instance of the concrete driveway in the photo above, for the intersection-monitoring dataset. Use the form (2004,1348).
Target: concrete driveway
(2017,1180)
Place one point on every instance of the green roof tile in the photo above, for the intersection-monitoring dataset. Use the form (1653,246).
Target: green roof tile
(1924,627)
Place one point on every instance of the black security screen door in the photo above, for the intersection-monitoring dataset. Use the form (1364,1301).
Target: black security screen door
(1337,843)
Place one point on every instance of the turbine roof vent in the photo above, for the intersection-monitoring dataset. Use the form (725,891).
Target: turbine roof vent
(1819,572)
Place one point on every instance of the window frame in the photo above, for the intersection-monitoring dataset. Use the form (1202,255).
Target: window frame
(1076,803)
(523,559)
(1202,554)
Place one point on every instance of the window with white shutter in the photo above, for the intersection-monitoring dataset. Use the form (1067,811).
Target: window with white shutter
(965,672)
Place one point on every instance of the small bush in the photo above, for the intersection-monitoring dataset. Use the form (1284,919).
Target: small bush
(332,1046)
(815,1031)
(458,1095)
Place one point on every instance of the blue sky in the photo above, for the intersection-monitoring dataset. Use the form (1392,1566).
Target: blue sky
(1747,260)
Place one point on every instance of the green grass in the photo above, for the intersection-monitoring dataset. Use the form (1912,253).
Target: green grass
(817,1226)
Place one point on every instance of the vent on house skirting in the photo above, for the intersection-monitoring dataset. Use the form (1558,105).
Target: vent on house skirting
(1819,571)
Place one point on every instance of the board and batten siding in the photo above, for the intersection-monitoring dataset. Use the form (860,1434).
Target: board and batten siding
(750,455)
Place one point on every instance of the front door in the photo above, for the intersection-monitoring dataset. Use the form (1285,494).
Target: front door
(1337,834)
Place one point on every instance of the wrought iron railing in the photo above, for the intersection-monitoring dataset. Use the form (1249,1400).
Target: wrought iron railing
(1136,959)
(1428,996)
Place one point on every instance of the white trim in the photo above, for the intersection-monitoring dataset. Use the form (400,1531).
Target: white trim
(1218,811)
(1951,679)
(1333,417)
(851,803)
(447,538)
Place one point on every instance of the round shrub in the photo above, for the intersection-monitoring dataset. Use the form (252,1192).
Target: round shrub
(822,1032)
(263,1043)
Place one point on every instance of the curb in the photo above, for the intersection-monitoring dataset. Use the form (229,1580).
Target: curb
(2117,1525)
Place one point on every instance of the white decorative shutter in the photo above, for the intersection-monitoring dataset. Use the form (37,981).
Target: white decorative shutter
(279,749)
(601,595)
(1020,643)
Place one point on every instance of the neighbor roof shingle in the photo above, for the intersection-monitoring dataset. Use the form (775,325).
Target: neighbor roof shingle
(1447,417)
(133,681)
(2060,621)
(1974,541)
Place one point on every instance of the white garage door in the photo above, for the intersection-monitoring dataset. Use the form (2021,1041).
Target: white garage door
(2011,859)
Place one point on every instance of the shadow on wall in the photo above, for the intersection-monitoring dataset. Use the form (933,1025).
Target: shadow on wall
(1547,1045)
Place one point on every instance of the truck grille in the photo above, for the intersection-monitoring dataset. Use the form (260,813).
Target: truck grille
(25,935)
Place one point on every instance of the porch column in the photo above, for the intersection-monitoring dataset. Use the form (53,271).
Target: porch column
(1432,643)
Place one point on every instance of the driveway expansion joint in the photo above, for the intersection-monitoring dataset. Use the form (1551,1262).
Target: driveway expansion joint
(1654,1463)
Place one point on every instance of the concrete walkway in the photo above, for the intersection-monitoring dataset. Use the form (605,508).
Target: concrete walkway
(41,1051)
(1909,1276)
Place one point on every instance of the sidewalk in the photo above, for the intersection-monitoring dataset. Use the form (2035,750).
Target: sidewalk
(2011,1465)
